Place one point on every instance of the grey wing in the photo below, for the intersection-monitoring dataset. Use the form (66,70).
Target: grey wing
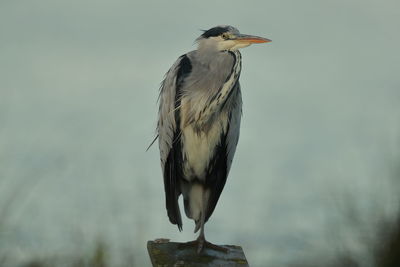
(234,126)
(169,133)
(225,150)
(166,125)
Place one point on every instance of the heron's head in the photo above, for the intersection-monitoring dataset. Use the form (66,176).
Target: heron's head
(226,37)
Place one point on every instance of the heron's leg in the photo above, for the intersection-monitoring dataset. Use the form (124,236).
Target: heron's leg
(202,239)
(202,242)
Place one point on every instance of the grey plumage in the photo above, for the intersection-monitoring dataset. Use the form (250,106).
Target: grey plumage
(199,122)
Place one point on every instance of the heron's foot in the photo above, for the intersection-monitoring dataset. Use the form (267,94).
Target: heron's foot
(215,247)
(201,243)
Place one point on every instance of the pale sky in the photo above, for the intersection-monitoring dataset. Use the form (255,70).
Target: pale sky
(78,88)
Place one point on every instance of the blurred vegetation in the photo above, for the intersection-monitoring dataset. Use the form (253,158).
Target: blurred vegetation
(99,257)
(387,247)
(380,243)
(384,251)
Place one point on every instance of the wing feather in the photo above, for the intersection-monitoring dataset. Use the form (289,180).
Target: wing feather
(169,133)
(225,150)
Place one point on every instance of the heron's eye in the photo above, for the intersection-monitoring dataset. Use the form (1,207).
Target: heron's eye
(225,36)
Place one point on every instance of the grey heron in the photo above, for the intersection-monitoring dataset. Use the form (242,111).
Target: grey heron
(198,124)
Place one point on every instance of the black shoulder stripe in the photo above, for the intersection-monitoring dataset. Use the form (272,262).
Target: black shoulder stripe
(185,67)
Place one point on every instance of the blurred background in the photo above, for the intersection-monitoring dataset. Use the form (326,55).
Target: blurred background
(315,179)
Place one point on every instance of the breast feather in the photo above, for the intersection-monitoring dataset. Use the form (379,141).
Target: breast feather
(199,146)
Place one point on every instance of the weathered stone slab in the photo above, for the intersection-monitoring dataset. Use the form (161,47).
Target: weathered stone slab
(165,254)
